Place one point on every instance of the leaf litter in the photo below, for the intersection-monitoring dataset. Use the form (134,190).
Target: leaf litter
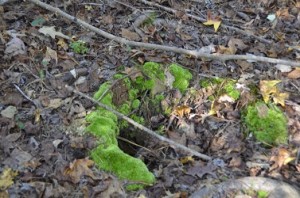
(50,153)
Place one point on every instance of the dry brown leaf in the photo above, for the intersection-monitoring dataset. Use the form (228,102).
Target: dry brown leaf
(283,13)
(226,50)
(130,35)
(281,156)
(62,44)
(55,103)
(237,43)
(268,87)
(79,168)
(50,54)
(279,98)
(294,74)
(180,111)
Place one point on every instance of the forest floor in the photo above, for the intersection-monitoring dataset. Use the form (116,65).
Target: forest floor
(44,151)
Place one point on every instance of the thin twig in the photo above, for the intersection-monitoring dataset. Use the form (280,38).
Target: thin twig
(141,127)
(194,53)
(23,94)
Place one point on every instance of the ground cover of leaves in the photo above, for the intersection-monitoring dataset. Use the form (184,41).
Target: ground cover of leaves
(42,151)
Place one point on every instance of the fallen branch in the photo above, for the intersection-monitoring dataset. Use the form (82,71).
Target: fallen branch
(194,53)
(141,127)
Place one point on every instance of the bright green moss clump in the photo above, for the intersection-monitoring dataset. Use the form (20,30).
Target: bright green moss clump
(108,156)
(267,122)
(105,125)
(182,77)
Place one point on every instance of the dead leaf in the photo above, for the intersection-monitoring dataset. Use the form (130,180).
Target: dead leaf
(181,111)
(268,87)
(50,54)
(133,72)
(9,112)
(225,98)
(216,22)
(55,103)
(15,47)
(279,98)
(62,44)
(244,64)
(294,74)
(281,156)
(283,13)
(130,35)
(6,178)
(46,30)
(226,50)
(237,43)
(187,159)
(79,168)
(200,170)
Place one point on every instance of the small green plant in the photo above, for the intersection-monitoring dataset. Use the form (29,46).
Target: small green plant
(79,47)
(267,122)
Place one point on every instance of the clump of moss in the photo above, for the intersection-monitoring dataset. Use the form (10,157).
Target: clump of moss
(105,125)
(182,77)
(231,90)
(108,156)
(267,122)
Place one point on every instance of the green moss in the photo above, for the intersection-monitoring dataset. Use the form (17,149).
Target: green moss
(182,77)
(108,156)
(267,122)
(153,71)
(113,159)
(105,125)
(262,194)
(135,103)
(107,99)
(231,90)
(133,94)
